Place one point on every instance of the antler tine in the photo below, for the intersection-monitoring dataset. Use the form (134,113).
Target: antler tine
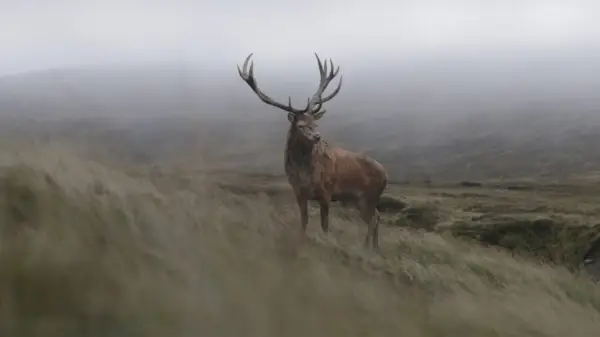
(334,92)
(330,77)
(320,65)
(242,71)
(316,102)
(333,73)
(248,76)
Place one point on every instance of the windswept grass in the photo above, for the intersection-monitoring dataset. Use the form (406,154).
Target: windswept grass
(89,251)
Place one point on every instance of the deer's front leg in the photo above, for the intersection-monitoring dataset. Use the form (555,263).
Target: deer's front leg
(324,202)
(302,200)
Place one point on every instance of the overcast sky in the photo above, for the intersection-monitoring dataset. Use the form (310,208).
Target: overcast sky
(61,33)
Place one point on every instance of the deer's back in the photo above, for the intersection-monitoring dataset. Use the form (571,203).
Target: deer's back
(357,173)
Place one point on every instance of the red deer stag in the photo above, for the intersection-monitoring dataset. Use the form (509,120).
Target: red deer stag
(319,171)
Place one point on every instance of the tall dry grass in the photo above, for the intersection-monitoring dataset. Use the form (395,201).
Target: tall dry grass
(90,251)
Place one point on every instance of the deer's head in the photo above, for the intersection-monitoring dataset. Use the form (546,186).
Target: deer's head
(303,121)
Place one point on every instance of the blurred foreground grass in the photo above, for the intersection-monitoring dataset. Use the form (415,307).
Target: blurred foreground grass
(90,251)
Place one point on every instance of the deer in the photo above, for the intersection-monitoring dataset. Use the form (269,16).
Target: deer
(319,171)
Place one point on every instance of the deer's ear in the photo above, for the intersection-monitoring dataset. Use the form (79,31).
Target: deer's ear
(291,116)
(319,114)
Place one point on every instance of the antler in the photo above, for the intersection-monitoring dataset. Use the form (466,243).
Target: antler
(316,102)
(248,77)
(313,105)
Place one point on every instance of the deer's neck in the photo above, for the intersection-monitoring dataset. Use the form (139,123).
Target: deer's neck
(298,154)
(302,159)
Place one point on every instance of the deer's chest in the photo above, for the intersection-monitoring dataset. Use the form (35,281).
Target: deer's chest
(299,170)
(306,172)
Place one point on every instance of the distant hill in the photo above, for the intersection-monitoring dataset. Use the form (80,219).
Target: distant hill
(441,121)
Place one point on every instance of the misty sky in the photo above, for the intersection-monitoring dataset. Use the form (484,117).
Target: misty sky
(61,33)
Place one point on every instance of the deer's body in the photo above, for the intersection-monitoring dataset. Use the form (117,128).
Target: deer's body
(324,173)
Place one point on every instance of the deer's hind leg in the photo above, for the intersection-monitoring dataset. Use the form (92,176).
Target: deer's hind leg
(377,220)
(370,216)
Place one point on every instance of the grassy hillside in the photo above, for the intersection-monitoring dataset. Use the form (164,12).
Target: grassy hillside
(539,146)
(88,250)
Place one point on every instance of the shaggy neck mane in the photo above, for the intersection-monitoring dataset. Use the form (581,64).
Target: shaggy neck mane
(299,154)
